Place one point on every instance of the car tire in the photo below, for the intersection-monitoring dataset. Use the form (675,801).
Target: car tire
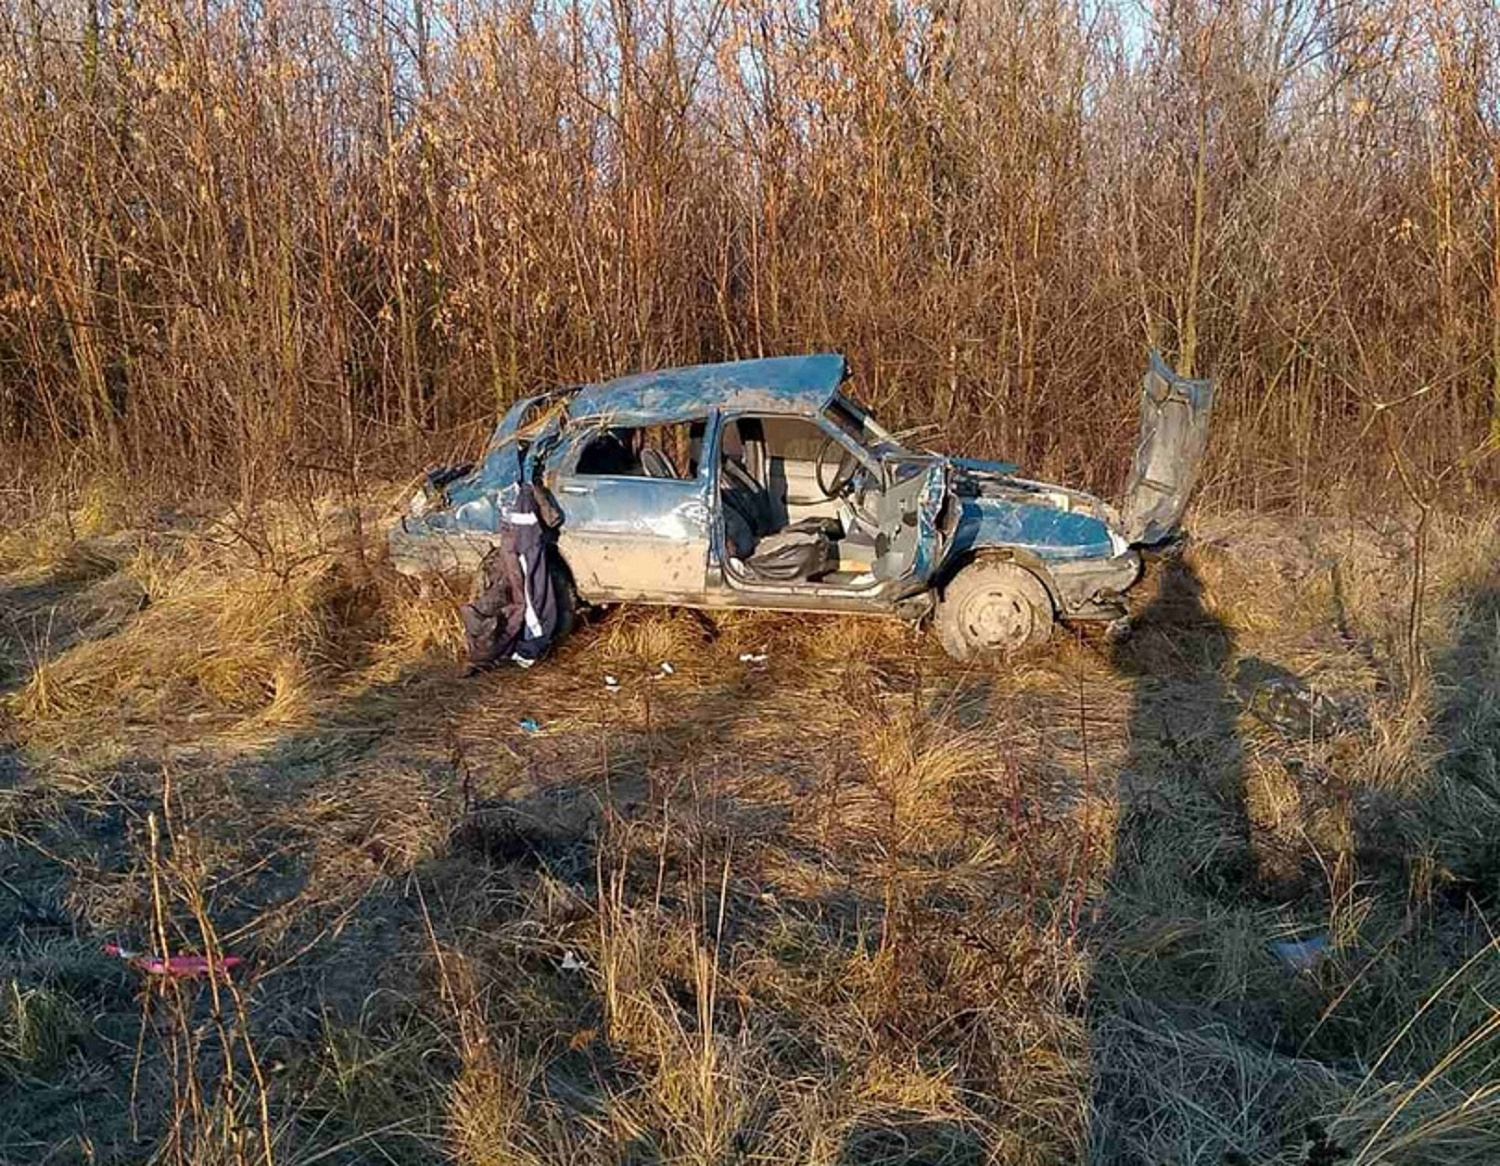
(565,596)
(993,608)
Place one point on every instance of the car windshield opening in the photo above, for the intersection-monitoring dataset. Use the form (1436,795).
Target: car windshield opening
(856,424)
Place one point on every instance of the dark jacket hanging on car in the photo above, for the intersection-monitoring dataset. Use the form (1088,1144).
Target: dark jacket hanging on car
(514,612)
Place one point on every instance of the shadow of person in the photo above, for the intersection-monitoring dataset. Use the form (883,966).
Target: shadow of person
(1460,811)
(1182,848)
(1209,1043)
(1182,795)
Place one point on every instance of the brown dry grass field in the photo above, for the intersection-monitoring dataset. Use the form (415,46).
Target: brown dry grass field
(850,904)
(1221,895)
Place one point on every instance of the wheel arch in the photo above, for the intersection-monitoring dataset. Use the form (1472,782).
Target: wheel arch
(1002,554)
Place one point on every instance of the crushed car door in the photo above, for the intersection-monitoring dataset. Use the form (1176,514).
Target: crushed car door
(911,540)
(1174,435)
(627,535)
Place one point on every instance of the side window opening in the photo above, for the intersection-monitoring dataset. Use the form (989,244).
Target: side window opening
(647,451)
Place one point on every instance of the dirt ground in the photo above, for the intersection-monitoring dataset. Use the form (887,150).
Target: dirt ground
(791,890)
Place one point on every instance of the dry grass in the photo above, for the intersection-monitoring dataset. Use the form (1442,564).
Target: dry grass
(994,209)
(852,903)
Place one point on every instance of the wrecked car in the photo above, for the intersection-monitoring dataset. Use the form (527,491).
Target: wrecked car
(764,484)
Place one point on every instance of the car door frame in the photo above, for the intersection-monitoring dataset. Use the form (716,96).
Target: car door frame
(724,590)
(628,538)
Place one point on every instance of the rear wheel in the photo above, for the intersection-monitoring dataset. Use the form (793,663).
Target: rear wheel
(993,608)
(564,594)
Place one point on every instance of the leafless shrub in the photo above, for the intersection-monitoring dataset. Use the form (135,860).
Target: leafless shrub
(276,247)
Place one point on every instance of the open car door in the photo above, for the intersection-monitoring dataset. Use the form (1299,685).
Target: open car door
(1174,435)
(912,528)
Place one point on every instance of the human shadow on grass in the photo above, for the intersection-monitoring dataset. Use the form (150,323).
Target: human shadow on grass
(1206,1039)
(1182,839)
(1461,815)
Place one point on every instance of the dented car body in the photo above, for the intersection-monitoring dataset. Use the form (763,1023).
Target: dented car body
(763,484)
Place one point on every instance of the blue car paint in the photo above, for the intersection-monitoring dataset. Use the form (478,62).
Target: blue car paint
(635,538)
(476,500)
(659,507)
(798,385)
(802,386)
(663,508)
(1045,532)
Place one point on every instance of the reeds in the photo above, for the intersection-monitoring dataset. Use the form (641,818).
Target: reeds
(250,244)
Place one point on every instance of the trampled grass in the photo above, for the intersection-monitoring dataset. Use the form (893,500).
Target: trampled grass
(849,903)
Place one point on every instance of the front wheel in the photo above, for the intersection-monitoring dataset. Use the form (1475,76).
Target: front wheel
(993,608)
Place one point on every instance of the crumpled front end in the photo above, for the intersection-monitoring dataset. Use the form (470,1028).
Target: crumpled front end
(449,536)
(1071,539)
(1087,552)
(454,517)
(1053,522)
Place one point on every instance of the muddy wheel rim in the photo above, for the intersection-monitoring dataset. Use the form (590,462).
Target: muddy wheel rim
(997,619)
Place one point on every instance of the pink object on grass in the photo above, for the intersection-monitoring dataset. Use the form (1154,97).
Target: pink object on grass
(175,965)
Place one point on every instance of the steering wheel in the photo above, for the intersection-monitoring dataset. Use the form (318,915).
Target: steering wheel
(834,477)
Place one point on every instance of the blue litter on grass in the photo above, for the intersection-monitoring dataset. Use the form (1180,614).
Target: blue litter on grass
(1302,955)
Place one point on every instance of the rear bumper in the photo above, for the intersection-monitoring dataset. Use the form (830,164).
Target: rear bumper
(418,553)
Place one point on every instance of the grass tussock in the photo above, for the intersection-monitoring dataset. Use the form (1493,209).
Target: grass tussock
(205,645)
(39,1026)
(201,625)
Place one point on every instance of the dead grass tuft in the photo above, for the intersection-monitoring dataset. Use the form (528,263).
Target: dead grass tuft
(225,628)
(210,646)
(487,1117)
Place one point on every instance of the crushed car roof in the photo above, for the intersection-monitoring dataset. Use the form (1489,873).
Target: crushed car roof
(778,384)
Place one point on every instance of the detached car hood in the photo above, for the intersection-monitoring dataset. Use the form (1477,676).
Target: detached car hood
(1174,436)
(997,507)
